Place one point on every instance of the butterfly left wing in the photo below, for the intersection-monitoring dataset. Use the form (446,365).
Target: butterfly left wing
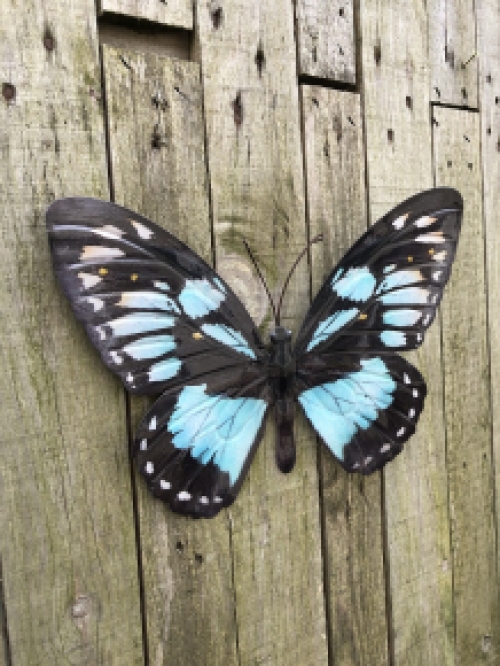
(361,397)
(152,307)
(196,443)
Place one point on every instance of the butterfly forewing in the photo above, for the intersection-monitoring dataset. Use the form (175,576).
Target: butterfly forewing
(153,308)
(384,293)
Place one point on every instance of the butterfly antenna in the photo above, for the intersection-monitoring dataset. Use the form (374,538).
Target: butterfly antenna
(262,280)
(316,239)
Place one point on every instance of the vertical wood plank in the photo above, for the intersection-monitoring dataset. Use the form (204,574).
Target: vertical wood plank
(158,165)
(326,42)
(452,52)
(352,510)
(398,137)
(488,31)
(68,540)
(247,55)
(467,400)
(175,13)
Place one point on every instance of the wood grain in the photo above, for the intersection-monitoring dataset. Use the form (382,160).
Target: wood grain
(176,13)
(68,539)
(326,39)
(247,54)
(399,162)
(158,166)
(352,510)
(467,399)
(452,52)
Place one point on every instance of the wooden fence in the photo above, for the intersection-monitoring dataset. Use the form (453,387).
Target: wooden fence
(258,119)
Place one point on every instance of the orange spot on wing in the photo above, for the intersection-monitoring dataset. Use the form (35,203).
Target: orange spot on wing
(134,277)
(103,271)
(363,316)
(197,336)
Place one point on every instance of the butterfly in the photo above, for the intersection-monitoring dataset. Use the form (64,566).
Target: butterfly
(166,323)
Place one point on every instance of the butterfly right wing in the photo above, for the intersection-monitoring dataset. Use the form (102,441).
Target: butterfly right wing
(196,443)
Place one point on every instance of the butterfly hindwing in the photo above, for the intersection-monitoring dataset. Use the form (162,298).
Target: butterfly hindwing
(153,308)
(363,407)
(383,295)
(196,443)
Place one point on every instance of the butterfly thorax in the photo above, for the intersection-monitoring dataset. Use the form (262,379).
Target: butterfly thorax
(282,369)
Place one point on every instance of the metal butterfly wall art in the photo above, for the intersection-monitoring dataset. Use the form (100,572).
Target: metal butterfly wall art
(166,323)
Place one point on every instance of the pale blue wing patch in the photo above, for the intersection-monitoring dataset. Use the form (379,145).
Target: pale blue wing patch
(199,297)
(136,323)
(164,370)
(216,428)
(393,338)
(358,284)
(331,325)
(338,410)
(401,317)
(399,279)
(228,336)
(147,300)
(150,347)
(406,296)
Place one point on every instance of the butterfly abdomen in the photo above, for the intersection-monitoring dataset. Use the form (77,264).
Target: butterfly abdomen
(282,376)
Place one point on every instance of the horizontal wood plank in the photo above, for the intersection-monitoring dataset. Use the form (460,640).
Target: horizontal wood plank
(176,13)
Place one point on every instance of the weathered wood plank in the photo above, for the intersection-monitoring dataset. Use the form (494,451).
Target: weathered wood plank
(68,540)
(336,203)
(176,13)
(326,41)
(467,401)
(252,117)
(398,137)
(158,166)
(488,31)
(452,52)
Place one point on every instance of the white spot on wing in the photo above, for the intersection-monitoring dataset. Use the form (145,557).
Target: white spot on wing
(385,448)
(436,237)
(165,485)
(161,285)
(411,413)
(99,252)
(89,280)
(406,379)
(425,221)
(204,499)
(102,332)
(400,432)
(98,303)
(184,496)
(129,378)
(436,275)
(368,460)
(217,499)
(400,222)
(116,358)
(110,232)
(439,256)
(152,423)
(150,468)
(144,444)
(415,393)
(142,230)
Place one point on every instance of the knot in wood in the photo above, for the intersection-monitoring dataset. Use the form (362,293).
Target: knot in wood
(82,606)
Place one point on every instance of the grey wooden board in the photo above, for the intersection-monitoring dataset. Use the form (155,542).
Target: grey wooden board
(452,52)
(488,31)
(68,540)
(467,399)
(186,565)
(326,39)
(176,13)
(352,509)
(255,166)
(399,164)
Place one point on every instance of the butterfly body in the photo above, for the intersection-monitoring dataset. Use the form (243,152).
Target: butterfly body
(167,324)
